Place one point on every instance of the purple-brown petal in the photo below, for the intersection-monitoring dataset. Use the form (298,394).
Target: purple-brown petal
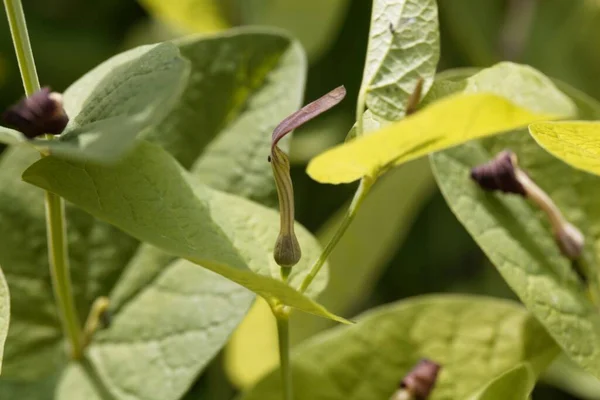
(307,113)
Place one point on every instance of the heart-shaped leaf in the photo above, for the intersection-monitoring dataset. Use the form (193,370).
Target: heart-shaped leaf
(475,339)
(446,123)
(403,48)
(182,327)
(151,197)
(517,238)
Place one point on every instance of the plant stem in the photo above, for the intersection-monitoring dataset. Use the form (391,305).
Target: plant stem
(363,189)
(59,270)
(18,30)
(55,209)
(283,332)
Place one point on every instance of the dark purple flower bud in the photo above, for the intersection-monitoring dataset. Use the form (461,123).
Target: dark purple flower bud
(287,251)
(499,174)
(39,114)
(419,382)
(503,174)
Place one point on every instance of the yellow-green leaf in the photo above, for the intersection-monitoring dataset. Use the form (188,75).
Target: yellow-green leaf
(516,384)
(577,143)
(190,15)
(446,123)
(474,338)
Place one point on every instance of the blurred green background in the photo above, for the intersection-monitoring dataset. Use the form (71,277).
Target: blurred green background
(429,251)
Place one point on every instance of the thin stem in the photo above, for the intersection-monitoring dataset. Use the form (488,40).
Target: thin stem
(363,189)
(18,30)
(55,210)
(283,333)
(59,270)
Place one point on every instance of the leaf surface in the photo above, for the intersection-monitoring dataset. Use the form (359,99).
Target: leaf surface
(368,359)
(404,46)
(517,383)
(151,197)
(446,123)
(517,237)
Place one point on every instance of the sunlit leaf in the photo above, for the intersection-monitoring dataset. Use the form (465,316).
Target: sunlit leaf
(475,339)
(446,123)
(577,143)
(189,15)
(403,48)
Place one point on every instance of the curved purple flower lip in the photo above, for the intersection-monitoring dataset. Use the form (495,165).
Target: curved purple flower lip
(307,113)
(287,251)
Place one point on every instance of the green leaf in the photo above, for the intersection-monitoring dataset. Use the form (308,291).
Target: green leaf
(101,255)
(115,102)
(149,196)
(243,83)
(161,306)
(11,137)
(516,237)
(446,123)
(475,339)
(354,267)
(205,16)
(517,383)
(155,332)
(576,143)
(298,18)
(4,314)
(403,48)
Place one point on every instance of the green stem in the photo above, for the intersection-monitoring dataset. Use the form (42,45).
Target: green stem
(283,332)
(59,270)
(18,30)
(55,210)
(363,189)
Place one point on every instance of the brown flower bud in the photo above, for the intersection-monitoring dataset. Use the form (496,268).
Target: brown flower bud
(499,174)
(419,382)
(39,114)
(503,174)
